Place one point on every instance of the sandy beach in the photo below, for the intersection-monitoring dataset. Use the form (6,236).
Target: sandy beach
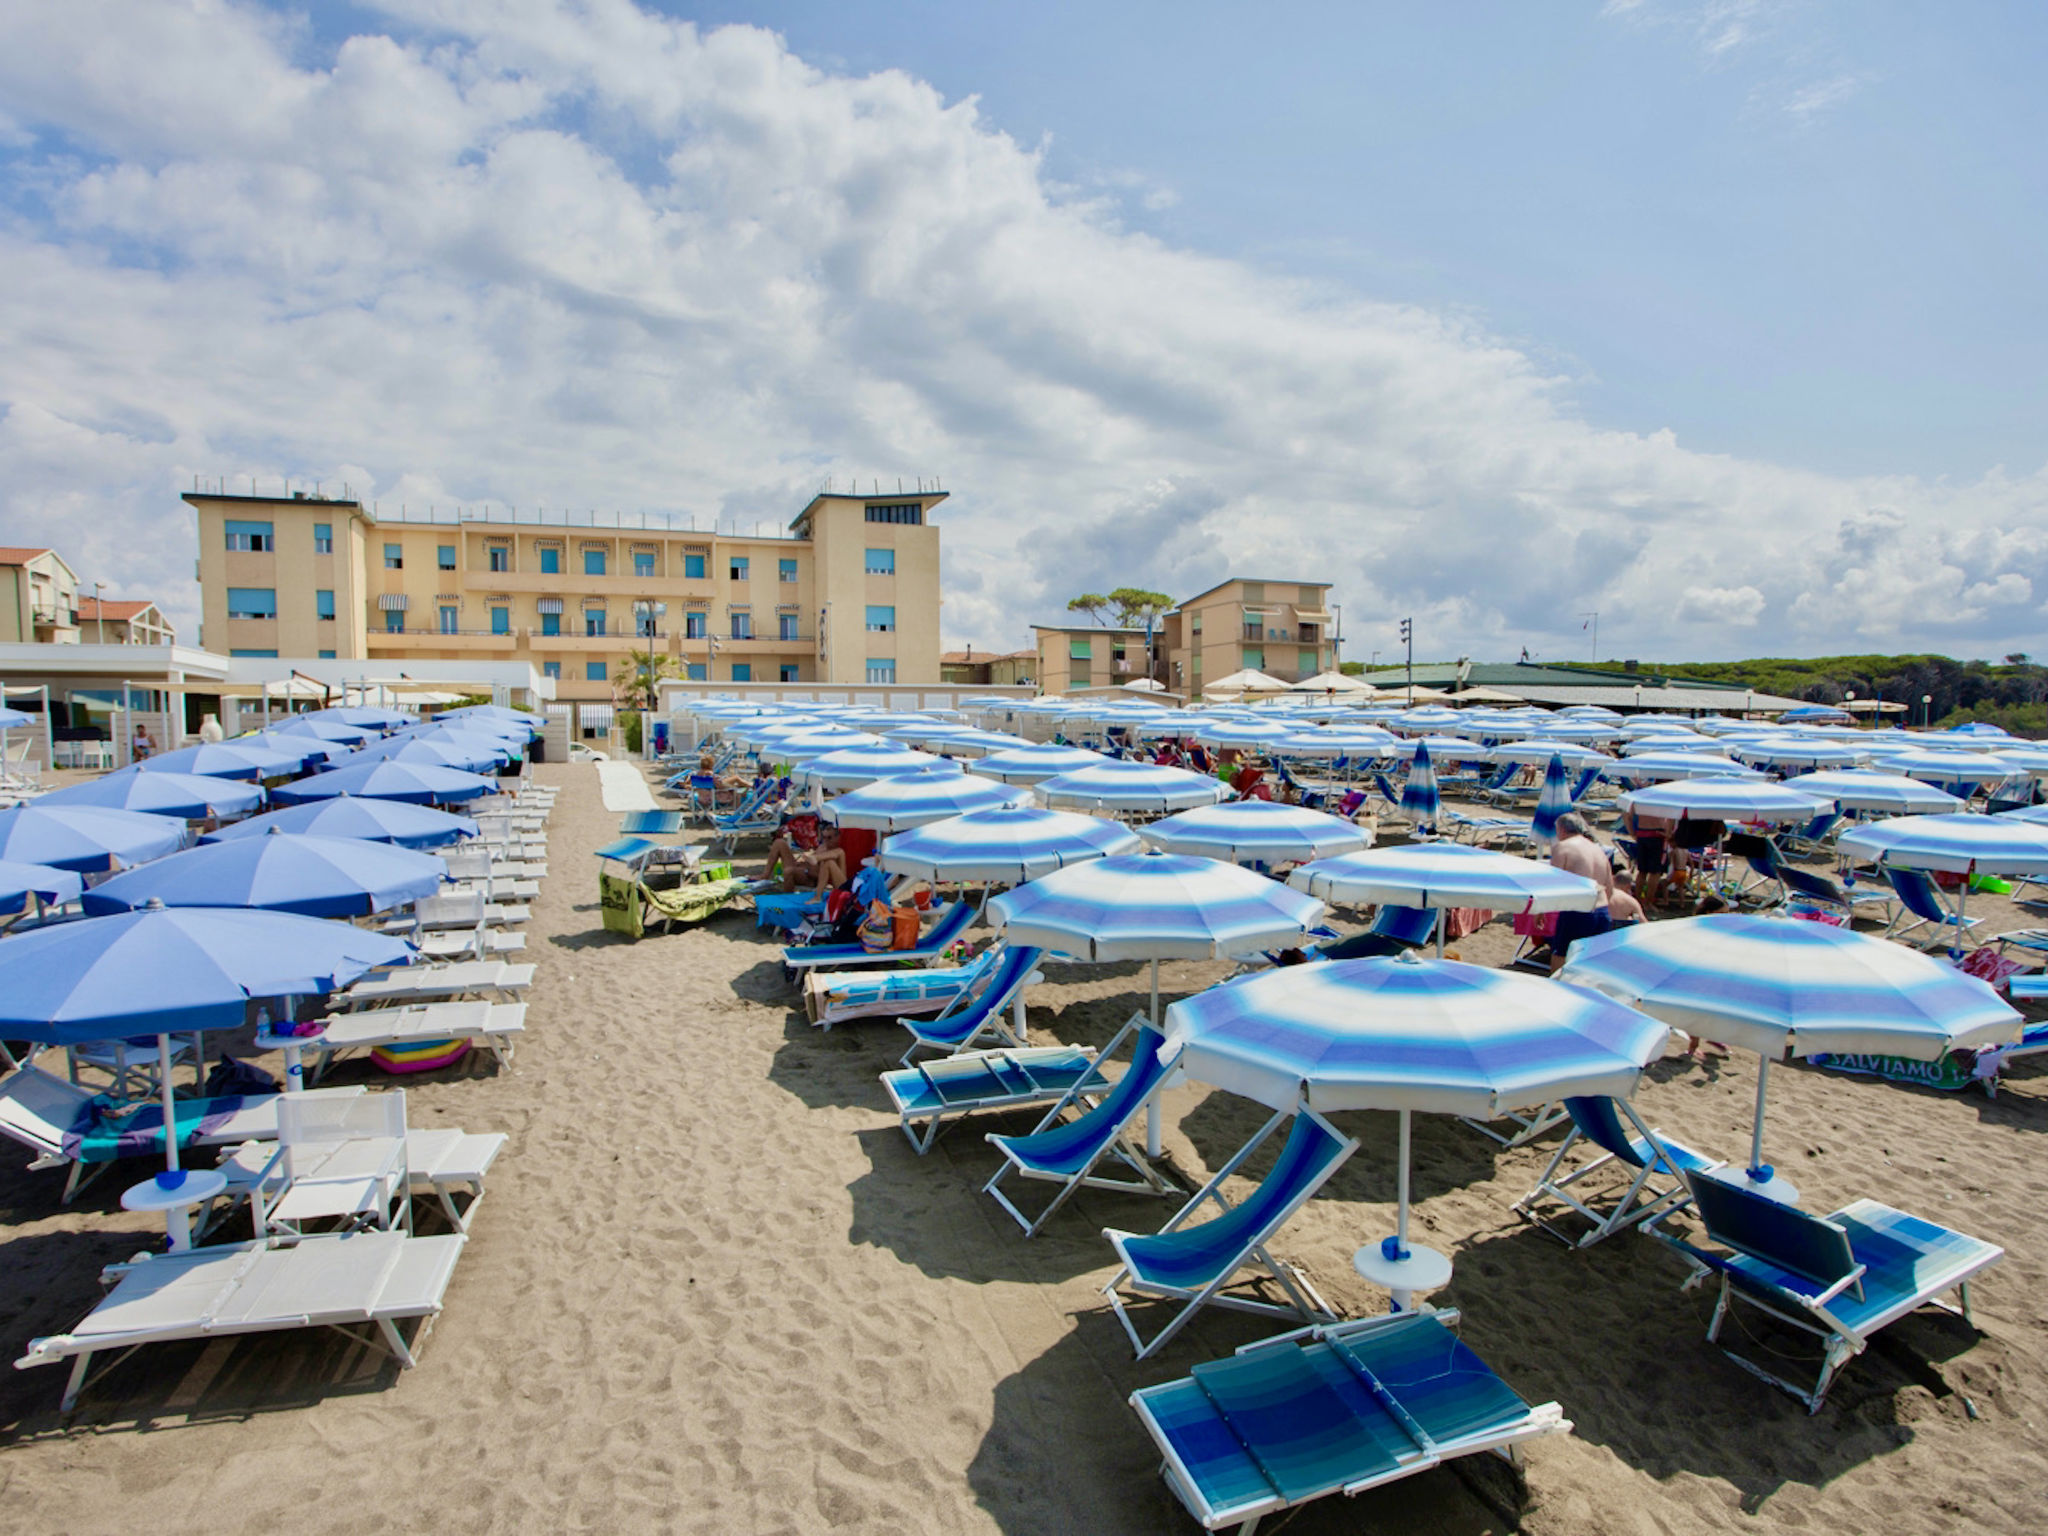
(714,1289)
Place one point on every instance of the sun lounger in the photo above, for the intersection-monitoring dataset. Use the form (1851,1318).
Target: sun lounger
(479,943)
(335,1160)
(443,1163)
(978,1014)
(835,997)
(947,926)
(1655,1167)
(1332,1409)
(1920,899)
(1067,1152)
(496,1027)
(1840,1277)
(1393,930)
(630,906)
(1192,1265)
(363,1283)
(454,909)
(427,983)
(651,823)
(932,1094)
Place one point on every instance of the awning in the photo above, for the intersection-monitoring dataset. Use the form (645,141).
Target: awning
(551,605)
(1313,615)
(393,602)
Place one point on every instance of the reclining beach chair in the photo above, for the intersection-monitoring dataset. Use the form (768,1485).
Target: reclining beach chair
(339,1160)
(475,861)
(1394,929)
(980,1011)
(759,812)
(454,909)
(495,1027)
(481,942)
(1920,899)
(1066,1152)
(631,906)
(651,823)
(838,997)
(950,922)
(1331,1409)
(413,984)
(1654,1166)
(1481,830)
(443,1164)
(932,1094)
(1192,1265)
(1840,1278)
(364,1283)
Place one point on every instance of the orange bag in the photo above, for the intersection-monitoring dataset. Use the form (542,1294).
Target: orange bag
(907,927)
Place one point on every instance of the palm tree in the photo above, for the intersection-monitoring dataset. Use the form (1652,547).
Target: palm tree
(634,678)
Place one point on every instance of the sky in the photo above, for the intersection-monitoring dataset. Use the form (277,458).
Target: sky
(1719,318)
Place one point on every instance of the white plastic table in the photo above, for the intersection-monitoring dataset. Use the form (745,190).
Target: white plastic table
(174,1192)
(1424,1269)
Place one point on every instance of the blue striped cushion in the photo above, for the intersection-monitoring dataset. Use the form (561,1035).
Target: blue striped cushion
(1448,1390)
(1310,1432)
(1064,1150)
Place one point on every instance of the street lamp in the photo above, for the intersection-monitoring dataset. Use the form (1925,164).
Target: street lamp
(1926,709)
(99,614)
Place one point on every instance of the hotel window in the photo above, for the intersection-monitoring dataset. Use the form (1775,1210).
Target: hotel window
(643,564)
(593,562)
(444,557)
(323,603)
(593,672)
(500,557)
(785,570)
(323,538)
(739,568)
(551,669)
(394,557)
(881,562)
(785,626)
(694,626)
(256,538)
(881,619)
(743,671)
(743,626)
(697,672)
(451,620)
(551,623)
(895,512)
(881,669)
(252,602)
(693,567)
(551,562)
(394,621)
(788,673)
(501,621)
(1254,658)
(593,621)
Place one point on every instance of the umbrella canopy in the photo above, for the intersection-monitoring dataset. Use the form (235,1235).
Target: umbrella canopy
(497,716)
(279,872)
(321,728)
(1855,789)
(421,783)
(1255,832)
(1570,753)
(14,719)
(192,796)
(1552,801)
(913,799)
(1655,767)
(2034,813)
(21,884)
(1153,906)
(1333,741)
(505,744)
(86,838)
(1800,752)
(370,717)
(309,750)
(1725,798)
(1251,680)
(1946,766)
(235,759)
(1132,787)
(1419,800)
(1034,764)
(958,740)
(1960,844)
(1333,682)
(851,767)
(367,820)
(1446,875)
(1238,733)
(1004,847)
(435,754)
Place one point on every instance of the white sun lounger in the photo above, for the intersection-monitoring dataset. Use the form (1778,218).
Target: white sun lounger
(478,943)
(447,1164)
(363,1283)
(425,983)
(494,1026)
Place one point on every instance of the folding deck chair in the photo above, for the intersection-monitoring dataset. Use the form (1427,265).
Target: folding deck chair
(1840,1277)
(1394,929)
(1920,899)
(979,1011)
(932,1094)
(837,997)
(339,1160)
(1192,1265)
(1066,1152)
(1655,1167)
(947,926)
(1331,1409)
(364,1283)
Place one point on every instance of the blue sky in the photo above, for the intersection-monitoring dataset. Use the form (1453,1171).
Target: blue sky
(1718,317)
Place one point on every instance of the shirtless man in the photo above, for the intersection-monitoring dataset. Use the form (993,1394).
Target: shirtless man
(1576,851)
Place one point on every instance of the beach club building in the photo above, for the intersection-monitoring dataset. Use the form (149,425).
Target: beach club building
(848,593)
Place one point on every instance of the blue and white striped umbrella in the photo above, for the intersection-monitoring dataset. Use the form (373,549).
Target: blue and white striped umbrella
(2028,759)
(1552,802)
(1541,752)
(1153,906)
(1419,800)
(1005,847)
(851,767)
(1448,748)
(806,742)
(1036,763)
(1726,798)
(1800,752)
(1359,741)
(1239,733)
(1132,787)
(1781,987)
(1255,832)
(955,740)
(1959,844)
(913,799)
(1446,875)
(1577,729)
(2036,814)
(1657,767)
(1946,766)
(1857,789)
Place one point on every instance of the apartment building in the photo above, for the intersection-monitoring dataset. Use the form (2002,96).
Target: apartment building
(1281,628)
(110,621)
(848,593)
(1088,656)
(989,668)
(38,598)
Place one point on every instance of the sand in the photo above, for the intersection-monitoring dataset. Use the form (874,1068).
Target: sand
(713,1289)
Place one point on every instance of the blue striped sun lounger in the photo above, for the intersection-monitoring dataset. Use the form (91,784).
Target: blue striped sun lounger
(930,1096)
(1331,1409)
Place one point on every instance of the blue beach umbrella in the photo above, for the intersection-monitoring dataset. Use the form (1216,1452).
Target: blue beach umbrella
(1446,875)
(1858,789)
(192,796)
(1954,844)
(1419,800)
(14,719)
(323,729)
(87,838)
(421,783)
(1036,763)
(24,885)
(1800,752)
(311,751)
(1725,797)
(496,746)
(1660,767)
(1255,832)
(1004,847)
(851,767)
(370,820)
(1132,788)
(279,872)
(1536,753)
(1554,800)
(369,716)
(1947,766)
(913,799)
(497,716)
(233,760)
(437,754)
(1781,987)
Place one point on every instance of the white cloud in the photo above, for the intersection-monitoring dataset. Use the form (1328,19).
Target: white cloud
(581,255)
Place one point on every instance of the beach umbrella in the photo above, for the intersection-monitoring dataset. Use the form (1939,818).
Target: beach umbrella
(497,716)
(87,838)
(421,783)
(2037,814)
(851,767)
(958,740)
(1037,762)
(1946,765)
(1964,844)
(370,717)
(1116,786)
(1237,733)
(235,759)
(1333,741)
(1449,748)
(1570,753)
(435,754)
(1660,766)
(192,796)
(1419,799)
(913,799)
(1671,741)
(322,729)
(1797,752)
(368,820)
(26,885)
(1446,875)
(14,719)
(1724,797)
(1779,987)
(1857,789)
(503,746)
(1003,847)
(1255,832)
(1573,730)
(278,872)
(311,751)
(1553,801)
(2029,759)
(1409,1034)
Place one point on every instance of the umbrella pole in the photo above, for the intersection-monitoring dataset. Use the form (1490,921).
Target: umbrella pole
(1401,1185)
(164,1090)
(1439,941)
(1152,1108)
(1757,1170)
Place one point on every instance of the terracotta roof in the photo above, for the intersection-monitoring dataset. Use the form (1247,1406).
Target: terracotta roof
(975,658)
(13,555)
(111,608)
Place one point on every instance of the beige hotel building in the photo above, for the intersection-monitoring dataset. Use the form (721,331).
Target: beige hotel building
(849,594)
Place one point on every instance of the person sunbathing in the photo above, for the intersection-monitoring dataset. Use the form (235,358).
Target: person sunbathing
(823,868)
